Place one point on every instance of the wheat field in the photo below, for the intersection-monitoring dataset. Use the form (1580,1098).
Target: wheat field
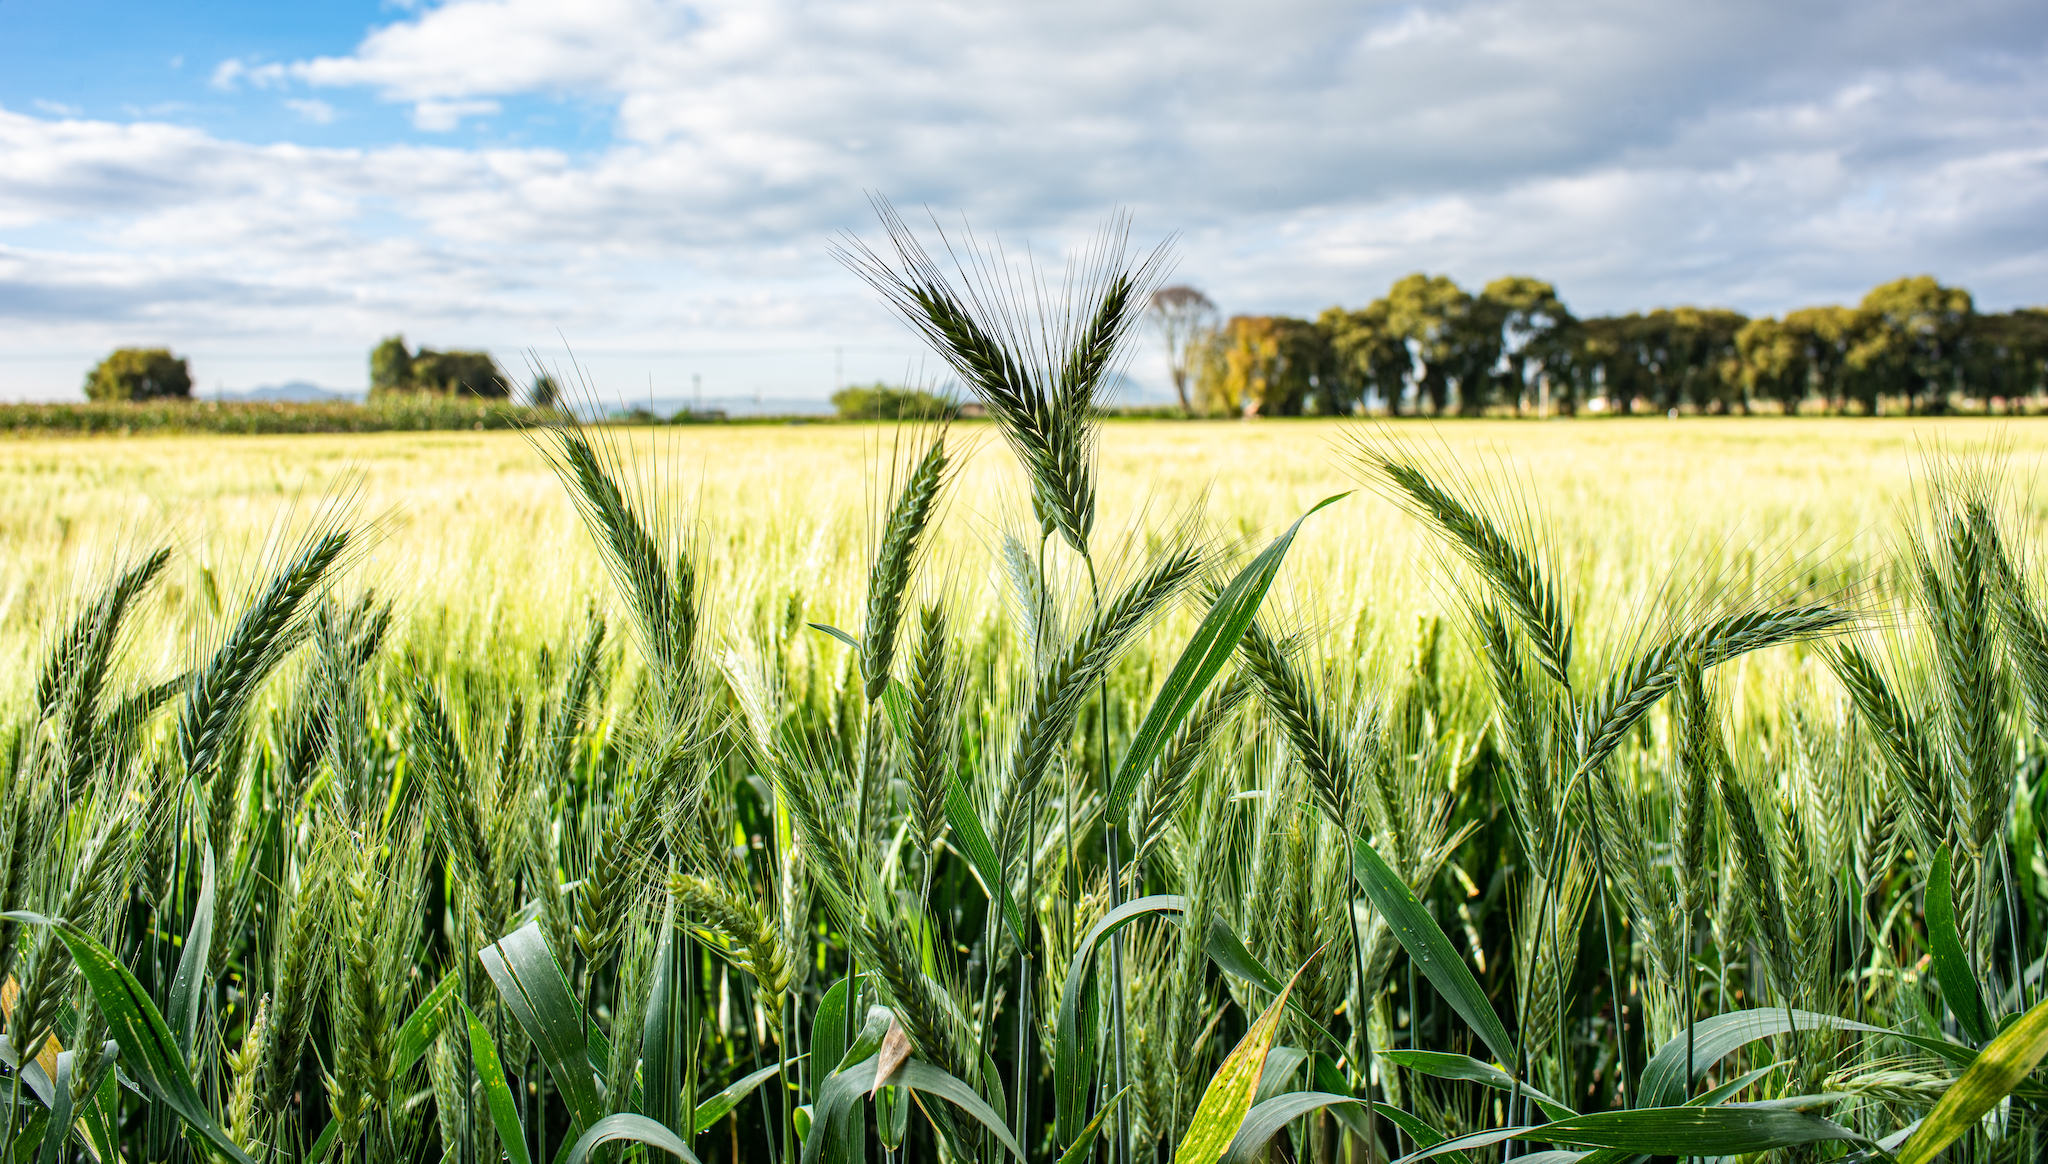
(1039,789)
(473,535)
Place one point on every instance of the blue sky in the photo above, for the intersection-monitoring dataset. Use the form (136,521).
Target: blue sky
(653,186)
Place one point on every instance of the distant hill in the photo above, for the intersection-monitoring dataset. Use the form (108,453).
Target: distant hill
(294,392)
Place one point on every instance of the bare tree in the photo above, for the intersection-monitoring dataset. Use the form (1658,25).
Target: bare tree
(1183,316)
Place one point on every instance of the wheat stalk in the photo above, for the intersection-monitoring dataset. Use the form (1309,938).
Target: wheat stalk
(935,702)
(1067,682)
(1639,684)
(1517,578)
(889,577)
(245,1066)
(225,684)
(1164,791)
(660,585)
(756,943)
(77,667)
(1318,746)
(295,987)
(1760,883)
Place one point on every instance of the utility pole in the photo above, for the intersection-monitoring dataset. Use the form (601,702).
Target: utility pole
(696,393)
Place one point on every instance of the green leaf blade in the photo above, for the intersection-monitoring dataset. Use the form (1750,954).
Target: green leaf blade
(1998,1068)
(1433,953)
(1265,1120)
(1212,644)
(497,1093)
(1951,964)
(628,1126)
(1228,1099)
(152,1053)
(532,985)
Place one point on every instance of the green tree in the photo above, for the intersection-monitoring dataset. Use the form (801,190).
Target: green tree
(1775,362)
(1536,331)
(1914,342)
(1366,354)
(1829,334)
(1611,361)
(139,374)
(2007,356)
(880,401)
(455,373)
(460,373)
(1689,356)
(1704,358)
(546,392)
(1430,313)
(1478,348)
(390,366)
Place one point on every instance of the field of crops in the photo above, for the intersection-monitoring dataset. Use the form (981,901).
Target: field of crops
(473,536)
(1654,788)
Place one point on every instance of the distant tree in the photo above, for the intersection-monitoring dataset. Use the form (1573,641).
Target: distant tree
(1535,330)
(1184,318)
(1431,341)
(1671,357)
(1240,367)
(1775,362)
(390,366)
(1478,349)
(2007,356)
(1268,365)
(455,373)
(1829,333)
(140,374)
(1703,367)
(1367,356)
(460,373)
(1914,341)
(545,393)
(1613,361)
(885,402)
(1431,313)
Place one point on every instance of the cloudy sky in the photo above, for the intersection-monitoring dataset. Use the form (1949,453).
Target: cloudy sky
(269,187)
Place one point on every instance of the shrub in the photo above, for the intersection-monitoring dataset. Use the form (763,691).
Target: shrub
(884,402)
(460,373)
(464,373)
(139,374)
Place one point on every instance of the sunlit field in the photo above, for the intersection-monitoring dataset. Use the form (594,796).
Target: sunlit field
(476,540)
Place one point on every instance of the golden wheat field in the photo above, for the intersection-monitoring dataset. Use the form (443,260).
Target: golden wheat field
(474,535)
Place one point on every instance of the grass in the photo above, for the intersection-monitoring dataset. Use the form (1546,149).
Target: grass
(595,742)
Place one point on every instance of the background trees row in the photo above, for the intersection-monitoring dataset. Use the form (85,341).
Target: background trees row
(1430,346)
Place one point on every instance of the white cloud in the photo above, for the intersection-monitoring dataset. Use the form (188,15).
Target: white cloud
(312,109)
(230,74)
(497,47)
(57,108)
(442,116)
(1751,154)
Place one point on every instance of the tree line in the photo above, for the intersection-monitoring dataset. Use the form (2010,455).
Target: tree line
(1430,347)
(143,374)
